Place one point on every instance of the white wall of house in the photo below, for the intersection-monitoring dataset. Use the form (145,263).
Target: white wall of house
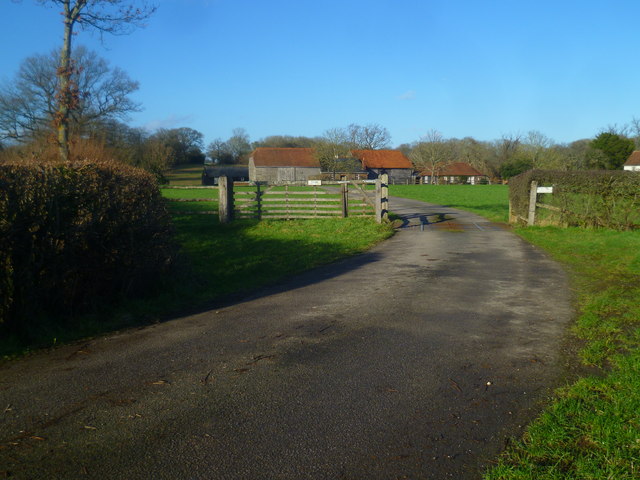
(632,168)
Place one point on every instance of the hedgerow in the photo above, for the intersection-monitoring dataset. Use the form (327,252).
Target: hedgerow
(74,234)
(602,198)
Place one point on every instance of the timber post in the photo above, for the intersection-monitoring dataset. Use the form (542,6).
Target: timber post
(345,200)
(225,199)
(382,198)
(533,199)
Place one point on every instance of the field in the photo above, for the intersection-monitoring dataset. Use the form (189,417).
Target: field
(490,201)
(185,175)
(591,430)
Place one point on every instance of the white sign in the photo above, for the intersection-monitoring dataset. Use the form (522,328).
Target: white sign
(314,182)
(544,190)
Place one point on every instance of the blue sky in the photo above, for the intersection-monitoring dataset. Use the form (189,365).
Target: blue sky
(299,67)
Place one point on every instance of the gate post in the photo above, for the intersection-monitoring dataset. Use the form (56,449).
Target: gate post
(345,200)
(382,198)
(225,199)
(533,199)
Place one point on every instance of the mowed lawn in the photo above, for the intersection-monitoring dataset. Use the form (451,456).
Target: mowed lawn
(490,201)
(591,429)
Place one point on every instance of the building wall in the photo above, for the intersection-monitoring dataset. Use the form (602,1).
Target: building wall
(281,175)
(632,168)
(396,175)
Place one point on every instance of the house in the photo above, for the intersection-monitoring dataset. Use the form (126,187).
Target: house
(456,172)
(392,162)
(211,174)
(633,163)
(282,165)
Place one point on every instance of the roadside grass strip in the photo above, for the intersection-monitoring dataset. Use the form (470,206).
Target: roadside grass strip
(592,431)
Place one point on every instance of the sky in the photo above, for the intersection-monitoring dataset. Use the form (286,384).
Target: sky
(484,69)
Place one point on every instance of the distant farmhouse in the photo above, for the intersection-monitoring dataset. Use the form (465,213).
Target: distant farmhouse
(282,165)
(633,163)
(457,172)
(392,162)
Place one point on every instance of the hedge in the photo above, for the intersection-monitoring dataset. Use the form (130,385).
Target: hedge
(74,234)
(601,198)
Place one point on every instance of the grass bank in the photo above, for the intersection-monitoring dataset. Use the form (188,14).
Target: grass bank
(591,430)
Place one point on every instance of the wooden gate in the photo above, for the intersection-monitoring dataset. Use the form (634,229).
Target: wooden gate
(288,202)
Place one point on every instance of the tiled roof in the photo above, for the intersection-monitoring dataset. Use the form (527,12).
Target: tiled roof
(634,158)
(455,169)
(284,157)
(382,159)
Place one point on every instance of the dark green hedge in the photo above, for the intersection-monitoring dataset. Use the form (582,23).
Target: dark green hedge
(600,198)
(76,234)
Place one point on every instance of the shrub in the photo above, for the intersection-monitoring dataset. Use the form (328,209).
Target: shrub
(599,198)
(75,233)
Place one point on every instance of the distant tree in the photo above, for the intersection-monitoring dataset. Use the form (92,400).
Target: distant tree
(431,154)
(239,145)
(105,16)
(515,167)
(367,137)
(615,148)
(285,141)
(28,106)
(219,152)
(331,147)
(186,144)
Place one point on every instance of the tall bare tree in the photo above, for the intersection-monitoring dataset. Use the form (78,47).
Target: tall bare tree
(106,16)
(28,105)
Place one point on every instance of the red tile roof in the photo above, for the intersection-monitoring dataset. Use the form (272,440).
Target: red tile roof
(284,157)
(634,158)
(382,159)
(456,169)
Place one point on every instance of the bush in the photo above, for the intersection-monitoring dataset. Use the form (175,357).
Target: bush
(72,234)
(601,198)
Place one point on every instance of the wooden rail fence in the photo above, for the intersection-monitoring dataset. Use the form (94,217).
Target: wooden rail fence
(348,198)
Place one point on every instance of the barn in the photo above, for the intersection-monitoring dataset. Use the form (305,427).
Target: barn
(392,162)
(282,165)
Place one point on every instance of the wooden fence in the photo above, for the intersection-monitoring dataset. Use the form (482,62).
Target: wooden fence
(534,191)
(342,199)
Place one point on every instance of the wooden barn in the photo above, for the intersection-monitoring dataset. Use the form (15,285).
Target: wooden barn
(282,165)
(392,162)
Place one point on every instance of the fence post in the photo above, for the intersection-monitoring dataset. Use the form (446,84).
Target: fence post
(345,200)
(385,196)
(225,199)
(533,199)
(259,200)
(378,200)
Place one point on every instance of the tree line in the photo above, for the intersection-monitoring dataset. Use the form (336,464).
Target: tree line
(70,104)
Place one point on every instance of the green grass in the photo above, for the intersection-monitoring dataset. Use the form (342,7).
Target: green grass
(490,201)
(591,430)
(185,175)
(218,263)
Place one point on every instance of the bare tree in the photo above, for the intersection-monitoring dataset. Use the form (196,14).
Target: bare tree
(367,137)
(106,16)
(431,154)
(28,106)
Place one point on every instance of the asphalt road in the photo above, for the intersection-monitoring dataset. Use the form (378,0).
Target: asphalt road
(415,360)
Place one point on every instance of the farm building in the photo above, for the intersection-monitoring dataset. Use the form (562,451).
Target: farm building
(392,162)
(633,163)
(237,173)
(282,165)
(457,172)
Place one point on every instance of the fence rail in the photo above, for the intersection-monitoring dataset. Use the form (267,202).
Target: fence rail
(348,199)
